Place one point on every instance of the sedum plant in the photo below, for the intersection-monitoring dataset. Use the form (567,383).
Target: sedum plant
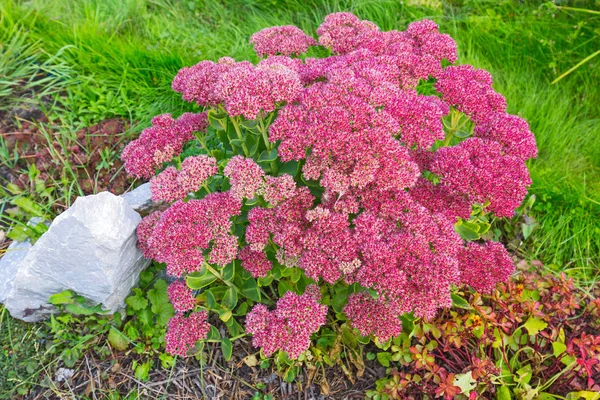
(352,188)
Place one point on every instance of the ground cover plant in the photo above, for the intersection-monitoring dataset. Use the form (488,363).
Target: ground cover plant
(123,58)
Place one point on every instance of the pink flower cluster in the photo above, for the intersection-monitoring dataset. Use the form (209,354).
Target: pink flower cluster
(181,296)
(290,326)
(284,40)
(161,142)
(373,316)
(183,332)
(181,234)
(242,88)
(171,184)
(245,176)
(479,169)
(255,262)
(482,266)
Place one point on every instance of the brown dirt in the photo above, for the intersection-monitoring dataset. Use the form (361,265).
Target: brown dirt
(212,380)
(40,142)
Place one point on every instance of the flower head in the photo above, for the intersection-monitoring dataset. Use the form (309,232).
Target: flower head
(482,266)
(255,262)
(183,332)
(181,296)
(290,325)
(245,176)
(161,142)
(284,40)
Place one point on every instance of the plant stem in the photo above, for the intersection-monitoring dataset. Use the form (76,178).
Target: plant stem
(234,122)
(219,276)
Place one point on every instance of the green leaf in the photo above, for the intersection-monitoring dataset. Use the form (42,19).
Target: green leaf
(84,309)
(242,309)
(211,301)
(268,156)
(117,340)
(290,374)
(584,394)
(290,168)
(535,325)
(143,370)
(225,314)
(164,312)
(146,317)
(384,358)
(558,348)
(137,301)
(233,327)
(213,334)
(408,324)
(503,393)
(229,272)
(197,280)
(249,123)
(283,287)
(65,297)
(216,122)
(348,338)
(20,233)
(227,348)
(466,232)
(296,275)
(340,298)
(146,277)
(230,299)
(29,206)
(251,290)
(131,331)
(458,301)
(465,382)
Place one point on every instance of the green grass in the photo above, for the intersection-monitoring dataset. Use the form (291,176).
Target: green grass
(122,54)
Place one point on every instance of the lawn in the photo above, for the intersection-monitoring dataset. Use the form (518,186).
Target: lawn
(88,61)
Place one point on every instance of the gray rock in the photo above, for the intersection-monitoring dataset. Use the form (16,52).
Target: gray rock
(140,199)
(9,263)
(90,249)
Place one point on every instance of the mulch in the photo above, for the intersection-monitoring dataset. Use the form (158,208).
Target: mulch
(213,379)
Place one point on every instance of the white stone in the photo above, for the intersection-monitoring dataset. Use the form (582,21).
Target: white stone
(140,199)
(90,249)
(9,263)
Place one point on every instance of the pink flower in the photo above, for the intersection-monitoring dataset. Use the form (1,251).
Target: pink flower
(181,296)
(186,230)
(144,233)
(470,91)
(195,171)
(373,316)
(183,332)
(197,83)
(245,176)
(278,189)
(255,262)
(247,90)
(290,326)
(161,142)
(377,198)
(477,168)
(512,132)
(343,32)
(439,199)
(482,266)
(165,186)
(285,40)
